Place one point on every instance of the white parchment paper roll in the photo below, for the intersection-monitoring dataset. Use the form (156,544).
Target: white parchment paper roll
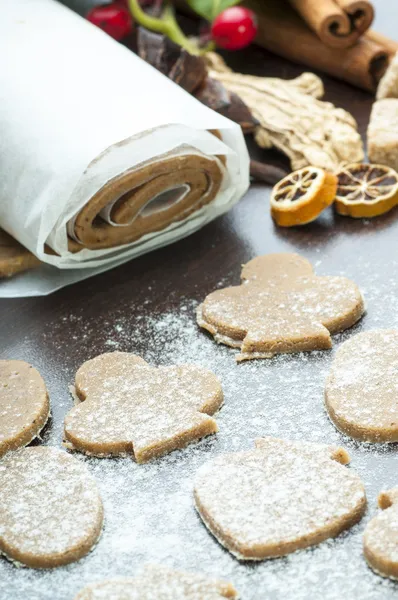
(77,110)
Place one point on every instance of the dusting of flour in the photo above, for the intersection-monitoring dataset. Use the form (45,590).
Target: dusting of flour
(149,512)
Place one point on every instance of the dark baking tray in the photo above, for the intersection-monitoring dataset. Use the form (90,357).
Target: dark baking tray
(147,307)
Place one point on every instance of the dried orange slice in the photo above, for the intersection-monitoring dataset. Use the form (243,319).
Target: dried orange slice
(366,190)
(301,196)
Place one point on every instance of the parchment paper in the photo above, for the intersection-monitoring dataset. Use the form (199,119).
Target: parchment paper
(76,110)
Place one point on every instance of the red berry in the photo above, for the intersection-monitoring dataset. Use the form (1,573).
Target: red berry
(234,28)
(115,19)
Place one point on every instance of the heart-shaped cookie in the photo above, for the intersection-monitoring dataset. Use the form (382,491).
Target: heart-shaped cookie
(281,306)
(380,540)
(361,390)
(50,508)
(24,404)
(280,497)
(132,408)
(159,583)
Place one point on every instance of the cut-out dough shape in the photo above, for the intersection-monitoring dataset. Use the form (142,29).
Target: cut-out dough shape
(380,540)
(281,306)
(50,508)
(280,497)
(159,583)
(361,390)
(24,404)
(14,258)
(131,407)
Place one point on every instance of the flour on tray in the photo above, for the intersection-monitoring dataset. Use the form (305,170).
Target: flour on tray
(149,509)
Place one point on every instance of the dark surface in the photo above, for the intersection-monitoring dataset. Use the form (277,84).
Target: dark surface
(57,333)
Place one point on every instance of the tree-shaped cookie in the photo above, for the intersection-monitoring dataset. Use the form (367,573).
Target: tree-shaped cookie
(50,508)
(281,306)
(361,390)
(159,583)
(24,404)
(133,408)
(380,540)
(280,497)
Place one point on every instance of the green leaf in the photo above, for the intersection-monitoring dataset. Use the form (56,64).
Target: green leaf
(209,9)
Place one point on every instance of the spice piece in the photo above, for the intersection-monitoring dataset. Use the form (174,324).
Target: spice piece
(383,133)
(283,32)
(390,46)
(366,190)
(292,119)
(301,196)
(265,173)
(388,86)
(337,23)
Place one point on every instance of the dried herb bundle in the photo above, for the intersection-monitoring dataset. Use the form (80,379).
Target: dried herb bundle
(293,119)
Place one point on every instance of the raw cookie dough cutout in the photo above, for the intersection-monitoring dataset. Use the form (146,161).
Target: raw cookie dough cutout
(50,508)
(281,306)
(280,497)
(361,389)
(24,404)
(133,408)
(380,540)
(14,258)
(160,583)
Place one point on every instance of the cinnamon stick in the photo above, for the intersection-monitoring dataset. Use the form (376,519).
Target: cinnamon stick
(389,45)
(282,31)
(265,173)
(337,23)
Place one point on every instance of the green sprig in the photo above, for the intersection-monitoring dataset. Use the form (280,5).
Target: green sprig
(165,24)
